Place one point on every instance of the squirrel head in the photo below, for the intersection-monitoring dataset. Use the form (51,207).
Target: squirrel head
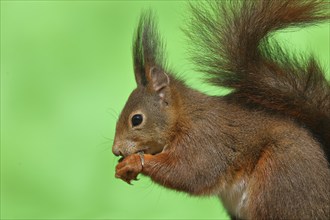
(145,121)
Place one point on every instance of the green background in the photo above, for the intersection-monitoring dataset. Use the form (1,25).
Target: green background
(66,72)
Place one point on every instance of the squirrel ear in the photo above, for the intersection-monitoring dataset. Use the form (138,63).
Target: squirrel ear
(158,79)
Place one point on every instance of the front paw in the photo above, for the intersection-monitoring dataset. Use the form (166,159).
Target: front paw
(129,168)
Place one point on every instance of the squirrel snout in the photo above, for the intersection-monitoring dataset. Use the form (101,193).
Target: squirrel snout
(116,150)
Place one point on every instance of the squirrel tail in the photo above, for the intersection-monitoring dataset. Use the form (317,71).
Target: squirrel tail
(232,47)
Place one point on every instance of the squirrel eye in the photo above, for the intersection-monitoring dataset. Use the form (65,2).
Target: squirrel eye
(137,120)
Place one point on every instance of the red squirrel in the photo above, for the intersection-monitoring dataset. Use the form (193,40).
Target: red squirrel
(264,148)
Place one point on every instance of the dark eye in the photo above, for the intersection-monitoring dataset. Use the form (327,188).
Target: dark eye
(137,120)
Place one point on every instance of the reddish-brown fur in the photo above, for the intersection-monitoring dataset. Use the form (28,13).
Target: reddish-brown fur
(263,148)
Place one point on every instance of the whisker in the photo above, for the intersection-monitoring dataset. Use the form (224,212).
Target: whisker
(112,112)
(105,146)
(107,138)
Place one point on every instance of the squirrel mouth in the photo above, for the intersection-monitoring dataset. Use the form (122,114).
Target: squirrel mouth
(121,159)
(145,150)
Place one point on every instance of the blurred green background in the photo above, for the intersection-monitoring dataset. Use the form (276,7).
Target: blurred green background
(66,72)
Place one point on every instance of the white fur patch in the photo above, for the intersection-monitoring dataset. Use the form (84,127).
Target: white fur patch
(234,198)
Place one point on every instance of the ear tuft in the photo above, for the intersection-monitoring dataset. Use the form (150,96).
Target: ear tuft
(148,50)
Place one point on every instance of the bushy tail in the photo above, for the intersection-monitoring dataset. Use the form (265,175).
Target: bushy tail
(232,46)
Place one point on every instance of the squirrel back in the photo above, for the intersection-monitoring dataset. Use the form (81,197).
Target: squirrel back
(231,44)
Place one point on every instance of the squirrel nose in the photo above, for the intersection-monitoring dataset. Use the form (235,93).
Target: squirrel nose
(116,150)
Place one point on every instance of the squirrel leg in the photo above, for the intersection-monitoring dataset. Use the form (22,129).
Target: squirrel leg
(170,171)
(129,168)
